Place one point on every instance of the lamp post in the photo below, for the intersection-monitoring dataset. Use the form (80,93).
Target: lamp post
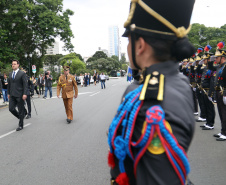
(30,55)
(29,60)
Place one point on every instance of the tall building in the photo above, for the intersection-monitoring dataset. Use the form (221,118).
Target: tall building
(54,49)
(114,42)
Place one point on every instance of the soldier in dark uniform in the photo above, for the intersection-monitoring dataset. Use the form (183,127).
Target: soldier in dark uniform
(192,79)
(30,93)
(207,75)
(197,90)
(220,87)
(154,125)
(182,66)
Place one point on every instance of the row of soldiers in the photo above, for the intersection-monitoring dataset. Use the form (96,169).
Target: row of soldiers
(207,75)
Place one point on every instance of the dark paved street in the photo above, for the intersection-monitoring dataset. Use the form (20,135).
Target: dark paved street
(51,152)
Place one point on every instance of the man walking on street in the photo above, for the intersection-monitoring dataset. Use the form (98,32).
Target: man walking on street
(67,83)
(41,84)
(17,90)
(48,84)
(102,79)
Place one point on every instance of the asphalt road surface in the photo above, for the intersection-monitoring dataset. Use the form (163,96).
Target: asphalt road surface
(48,151)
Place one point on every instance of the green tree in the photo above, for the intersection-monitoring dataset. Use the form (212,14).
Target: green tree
(124,67)
(99,54)
(52,59)
(30,26)
(76,62)
(123,60)
(91,59)
(200,35)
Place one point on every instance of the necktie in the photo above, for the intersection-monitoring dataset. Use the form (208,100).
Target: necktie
(13,75)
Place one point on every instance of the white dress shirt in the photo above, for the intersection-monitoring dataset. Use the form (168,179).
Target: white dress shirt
(15,73)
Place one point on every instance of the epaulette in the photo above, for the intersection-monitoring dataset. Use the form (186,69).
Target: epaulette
(153,87)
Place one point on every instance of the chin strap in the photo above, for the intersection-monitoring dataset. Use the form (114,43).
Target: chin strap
(133,50)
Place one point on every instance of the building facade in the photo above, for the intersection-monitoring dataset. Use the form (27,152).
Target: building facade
(114,42)
(54,49)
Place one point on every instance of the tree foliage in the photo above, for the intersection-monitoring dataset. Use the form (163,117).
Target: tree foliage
(200,35)
(73,61)
(123,60)
(31,26)
(99,54)
(52,59)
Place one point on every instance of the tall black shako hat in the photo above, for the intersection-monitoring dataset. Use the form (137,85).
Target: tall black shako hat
(163,19)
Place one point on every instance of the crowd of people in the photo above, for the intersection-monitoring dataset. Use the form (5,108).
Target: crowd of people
(86,79)
(207,74)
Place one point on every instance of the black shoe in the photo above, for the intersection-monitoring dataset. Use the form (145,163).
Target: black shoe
(220,139)
(69,121)
(202,126)
(28,116)
(19,128)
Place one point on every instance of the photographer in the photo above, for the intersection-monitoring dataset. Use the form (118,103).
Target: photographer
(48,84)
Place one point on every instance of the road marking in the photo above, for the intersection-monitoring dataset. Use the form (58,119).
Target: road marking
(60,96)
(4,135)
(95,93)
(84,93)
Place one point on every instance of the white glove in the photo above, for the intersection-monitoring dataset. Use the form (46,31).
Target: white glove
(210,98)
(194,89)
(180,64)
(201,62)
(212,58)
(194,63)
(187,65)
(224,100)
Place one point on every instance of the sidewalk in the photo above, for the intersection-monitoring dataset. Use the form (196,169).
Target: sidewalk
(2,104)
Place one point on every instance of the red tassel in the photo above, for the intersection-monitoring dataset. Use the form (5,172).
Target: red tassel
(111,160)
(220,45)
(206,48)
(122,179)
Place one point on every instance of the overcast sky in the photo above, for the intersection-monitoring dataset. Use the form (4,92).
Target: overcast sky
(92,18)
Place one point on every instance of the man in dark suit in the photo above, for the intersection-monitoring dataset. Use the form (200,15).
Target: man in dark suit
(41,84)
(86,79)
(17,90)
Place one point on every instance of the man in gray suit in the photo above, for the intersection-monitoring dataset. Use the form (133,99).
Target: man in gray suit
(17,90)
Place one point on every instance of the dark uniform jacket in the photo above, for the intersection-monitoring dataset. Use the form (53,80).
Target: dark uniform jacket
(206,75)
(30,86)
(178,106)
(219,80)
(18,86)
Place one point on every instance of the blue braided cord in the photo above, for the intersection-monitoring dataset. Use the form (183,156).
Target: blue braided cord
(221,70)
(174,146)
(149,125)
(208,73)
(121,166)
(130,124)
(146,137)
(178,167)
(124,106)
